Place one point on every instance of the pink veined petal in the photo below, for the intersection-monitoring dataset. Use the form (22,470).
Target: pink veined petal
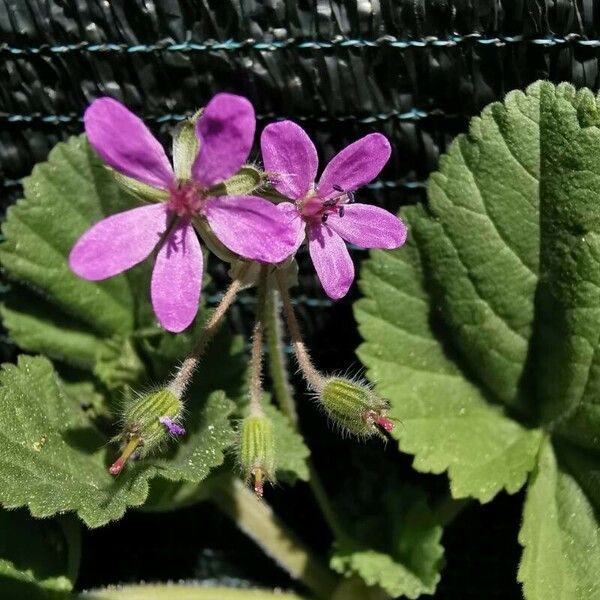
(125,143)
(355,165)
(291,157)
(177,278)
(119,242)
(331,260)
(294,219)
(368,226)
(252,227)
(226,132)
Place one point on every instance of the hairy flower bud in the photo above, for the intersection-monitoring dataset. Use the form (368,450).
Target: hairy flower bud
(256,451)
(355,407)
(148,422)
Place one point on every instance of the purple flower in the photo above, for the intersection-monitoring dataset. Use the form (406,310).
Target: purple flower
(326,211)
(171,426)
(249,226)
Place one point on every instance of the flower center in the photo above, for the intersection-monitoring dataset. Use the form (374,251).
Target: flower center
(187,199)
(312,207)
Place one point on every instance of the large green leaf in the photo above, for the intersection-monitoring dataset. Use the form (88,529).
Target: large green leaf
(63,197)
(484,331)
(53,460)
(445,420)
(82,323)
(567,346)
(560,534)
(38,558)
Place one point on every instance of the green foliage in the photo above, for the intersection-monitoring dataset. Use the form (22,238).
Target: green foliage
(483,332)
(38,559)
(290,450)
(391,538)
(54,460)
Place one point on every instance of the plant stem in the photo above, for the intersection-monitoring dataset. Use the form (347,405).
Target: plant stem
(314,379)
(257,347)
(283,395)
(257,520)
(277,359)
(191,591)
(189,365)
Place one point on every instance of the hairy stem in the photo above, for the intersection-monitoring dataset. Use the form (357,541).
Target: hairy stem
(257,520)
(283,394)
(189,365)
(257,346)
(183,591)
(277,359)
(313,378)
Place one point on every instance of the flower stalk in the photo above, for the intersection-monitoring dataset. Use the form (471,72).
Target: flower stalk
(313,377)
(185,373)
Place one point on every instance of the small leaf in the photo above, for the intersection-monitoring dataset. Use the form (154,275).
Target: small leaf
(53,460)
(37,555)
(290,450)
(560,533)
(411,564)
(444,420)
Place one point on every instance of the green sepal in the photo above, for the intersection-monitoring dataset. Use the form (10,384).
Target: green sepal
(139,190)
(244,182)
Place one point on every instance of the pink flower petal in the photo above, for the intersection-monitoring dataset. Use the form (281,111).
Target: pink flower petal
(252,227)
(177,278)
(331,260)
(355,165)
(290,156)
(126,144)
(368,226)
(226,132)
(119,242)
(295,221)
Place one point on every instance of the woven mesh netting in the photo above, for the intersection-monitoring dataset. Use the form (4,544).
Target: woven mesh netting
(415,70)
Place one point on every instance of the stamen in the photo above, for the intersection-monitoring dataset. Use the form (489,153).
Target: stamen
(324,218)
(172,427)
(342,211)
(131,447)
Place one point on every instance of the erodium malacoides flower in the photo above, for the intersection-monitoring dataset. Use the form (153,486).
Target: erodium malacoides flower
(325,211)
(247,225)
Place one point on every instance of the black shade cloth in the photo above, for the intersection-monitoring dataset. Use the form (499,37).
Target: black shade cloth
(415,70)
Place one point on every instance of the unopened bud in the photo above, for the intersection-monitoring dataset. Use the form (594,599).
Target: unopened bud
(355,407)
(148,422)
(256,451)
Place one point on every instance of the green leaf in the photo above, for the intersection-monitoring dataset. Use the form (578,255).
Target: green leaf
(483,243)
(568,320)
(397,547)
(290,450)
(444,420)
(53,460)
(63,197)
(560,533)
(37,556)
(81,323)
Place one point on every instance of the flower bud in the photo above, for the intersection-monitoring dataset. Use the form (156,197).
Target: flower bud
(256,451)
(148,422)
(355,407)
